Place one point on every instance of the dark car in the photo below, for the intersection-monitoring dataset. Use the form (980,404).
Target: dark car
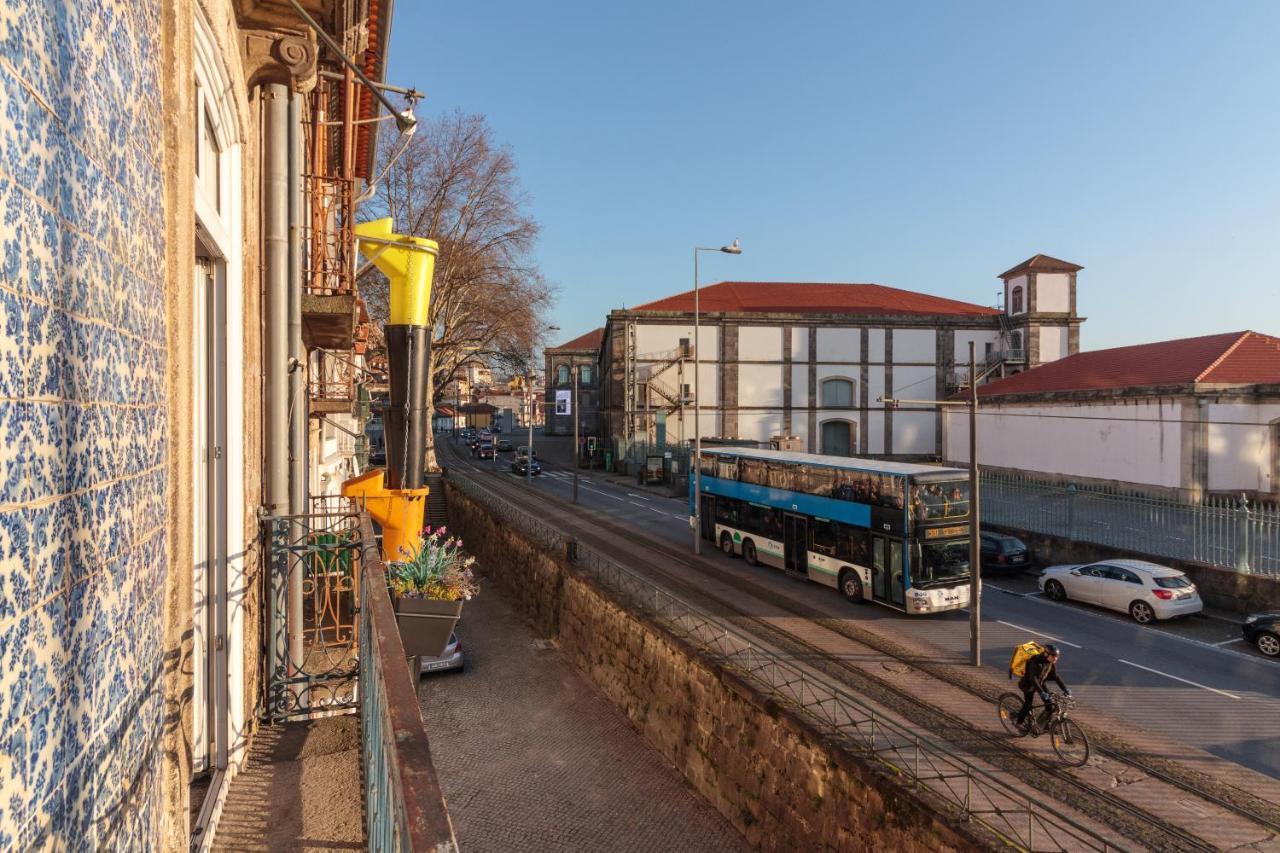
(484,450)
(505,445)
(1001,551)
(518,466)
(1263,630)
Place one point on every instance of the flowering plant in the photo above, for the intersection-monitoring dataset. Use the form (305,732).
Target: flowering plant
(436,568)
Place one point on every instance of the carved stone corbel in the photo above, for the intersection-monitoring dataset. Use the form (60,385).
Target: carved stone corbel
(271,56)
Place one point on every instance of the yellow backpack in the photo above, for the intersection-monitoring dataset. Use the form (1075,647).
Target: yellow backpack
(1022,654)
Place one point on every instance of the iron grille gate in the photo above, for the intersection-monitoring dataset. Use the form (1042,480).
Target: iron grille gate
(315,580)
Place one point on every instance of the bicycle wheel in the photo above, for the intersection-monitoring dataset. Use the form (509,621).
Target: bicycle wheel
(1070,743)
(1008,706)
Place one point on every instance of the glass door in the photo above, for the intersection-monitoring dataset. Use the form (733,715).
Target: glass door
(796,543)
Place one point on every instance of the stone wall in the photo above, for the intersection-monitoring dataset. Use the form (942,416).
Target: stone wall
(776,779)
(1225,589)
(84,476)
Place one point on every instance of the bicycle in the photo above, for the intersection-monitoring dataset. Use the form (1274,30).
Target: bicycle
(1069,740)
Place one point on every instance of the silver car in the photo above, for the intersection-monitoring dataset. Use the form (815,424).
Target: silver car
(451,659)
(1146,591)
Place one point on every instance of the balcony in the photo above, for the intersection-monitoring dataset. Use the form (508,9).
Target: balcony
(333,382)
(344,761)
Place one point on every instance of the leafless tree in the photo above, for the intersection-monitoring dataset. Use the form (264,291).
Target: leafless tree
(454,185)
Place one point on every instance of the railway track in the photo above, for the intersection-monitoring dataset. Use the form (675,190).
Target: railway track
(1127,818)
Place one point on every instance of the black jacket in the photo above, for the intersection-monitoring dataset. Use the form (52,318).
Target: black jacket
(1039,672)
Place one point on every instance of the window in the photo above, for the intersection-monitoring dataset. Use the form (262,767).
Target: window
(824,537)
(1015,300)
(562,374)
(1275,456)
(1175,582)
(837,394)
(584,374)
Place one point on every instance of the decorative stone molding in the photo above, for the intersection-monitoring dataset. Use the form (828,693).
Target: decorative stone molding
(275,57)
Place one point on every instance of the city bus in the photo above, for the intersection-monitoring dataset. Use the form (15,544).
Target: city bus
(890,532)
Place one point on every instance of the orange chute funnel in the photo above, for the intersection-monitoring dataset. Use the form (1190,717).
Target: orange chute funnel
(398,511)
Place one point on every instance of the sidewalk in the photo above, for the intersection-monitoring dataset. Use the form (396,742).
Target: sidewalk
(532,758)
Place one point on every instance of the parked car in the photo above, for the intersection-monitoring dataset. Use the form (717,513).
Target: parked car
(484,450)
(519,464)
(1146,591)
(1001,551)
(505,445)
(1263,630)
(451,659)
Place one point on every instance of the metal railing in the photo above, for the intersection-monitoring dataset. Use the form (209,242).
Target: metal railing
(315,578)
(404,808)
(1221,531)
(333,379)
(1007,810)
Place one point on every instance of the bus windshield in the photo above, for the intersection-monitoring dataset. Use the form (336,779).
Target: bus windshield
(941,562)
(930,501)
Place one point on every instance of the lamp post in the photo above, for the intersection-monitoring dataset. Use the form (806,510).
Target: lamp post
(732,249)
(533,370)
(975,545)
(576,415)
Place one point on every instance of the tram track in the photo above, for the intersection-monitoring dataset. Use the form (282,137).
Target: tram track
(1125,817)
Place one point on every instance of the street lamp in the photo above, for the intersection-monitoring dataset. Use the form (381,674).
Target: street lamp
(533,369)
(975,546)
(732,249)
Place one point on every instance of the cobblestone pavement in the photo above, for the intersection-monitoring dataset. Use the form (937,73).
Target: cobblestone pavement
(532,758)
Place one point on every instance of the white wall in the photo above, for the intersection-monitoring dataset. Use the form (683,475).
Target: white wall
(760,343)
(1053,343)
(914,383)
(875,432)
(980,338)
(800,343)
(799,386)
(1145,451)
(915,345)
(914,432)
(875,346)
(1239,455)
(1053,292)
(839,344)
(760,385)
(658,339)
(759,426)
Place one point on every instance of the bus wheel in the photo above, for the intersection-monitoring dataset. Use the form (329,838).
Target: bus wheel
(851,586)
(749,552)
(726,544)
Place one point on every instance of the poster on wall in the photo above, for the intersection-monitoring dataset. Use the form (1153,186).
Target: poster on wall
(562,403)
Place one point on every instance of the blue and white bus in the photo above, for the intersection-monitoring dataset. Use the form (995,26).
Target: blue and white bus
(892,532)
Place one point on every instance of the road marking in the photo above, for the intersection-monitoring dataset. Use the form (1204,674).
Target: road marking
(1183,680)
(637,503)
(1040,634)
(1229,642)
(641,497)
(606,494)
(655,509)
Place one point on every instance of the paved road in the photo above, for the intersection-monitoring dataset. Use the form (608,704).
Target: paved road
(1191,679)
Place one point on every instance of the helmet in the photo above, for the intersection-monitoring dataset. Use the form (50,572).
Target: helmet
(1051,650)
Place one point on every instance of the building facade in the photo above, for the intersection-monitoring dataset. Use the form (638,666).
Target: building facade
(1182,418)
(583,355)
(149,155)
(813,361)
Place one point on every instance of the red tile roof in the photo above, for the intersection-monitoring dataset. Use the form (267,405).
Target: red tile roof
(1240,358)
(1041,263)
(752,297)
(590,341)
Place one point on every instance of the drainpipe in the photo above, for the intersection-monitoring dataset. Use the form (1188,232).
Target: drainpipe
(298,438)
(275,274)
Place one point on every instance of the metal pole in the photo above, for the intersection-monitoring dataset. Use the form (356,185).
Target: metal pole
(697,418)
(528,460)
(975,547)
(298,427)
(576,416)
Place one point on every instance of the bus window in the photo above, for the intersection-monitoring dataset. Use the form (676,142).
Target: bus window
(941,561)
(726,469)
(753,471)
(854,545)
(823,535)
(957,499)
(727,512)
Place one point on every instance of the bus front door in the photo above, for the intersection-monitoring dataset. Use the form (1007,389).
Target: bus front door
(887,571)
(708,515)
(795,534)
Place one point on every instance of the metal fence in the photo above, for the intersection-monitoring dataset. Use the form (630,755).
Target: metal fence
(404,809)
(1006,809)
(1220,531)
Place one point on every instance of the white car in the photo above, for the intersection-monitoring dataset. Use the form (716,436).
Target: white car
(1146,591)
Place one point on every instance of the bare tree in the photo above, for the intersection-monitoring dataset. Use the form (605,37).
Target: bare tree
(454,185)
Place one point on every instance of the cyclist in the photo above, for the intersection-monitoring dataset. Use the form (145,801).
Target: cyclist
(1040,669)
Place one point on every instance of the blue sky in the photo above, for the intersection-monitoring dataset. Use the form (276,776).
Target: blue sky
(926,145)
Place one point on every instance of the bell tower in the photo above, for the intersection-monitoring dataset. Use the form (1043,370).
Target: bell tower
(1040,323)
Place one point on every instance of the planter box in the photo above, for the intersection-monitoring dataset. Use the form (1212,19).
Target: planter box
(425,625)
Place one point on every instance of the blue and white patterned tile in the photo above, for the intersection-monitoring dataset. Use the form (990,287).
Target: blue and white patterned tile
(14,793)
(15,573)
(15,655)
(13,361)
(13,427)
(45,347)
(12,233)
(49,552)
(42,446)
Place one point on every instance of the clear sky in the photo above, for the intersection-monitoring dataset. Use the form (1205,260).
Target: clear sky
(923,145)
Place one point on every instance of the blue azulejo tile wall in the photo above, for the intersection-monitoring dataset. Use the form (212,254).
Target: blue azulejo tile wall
(83,423)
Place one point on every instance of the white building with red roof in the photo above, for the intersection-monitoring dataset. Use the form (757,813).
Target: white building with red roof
(1182,417)
(811,360)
